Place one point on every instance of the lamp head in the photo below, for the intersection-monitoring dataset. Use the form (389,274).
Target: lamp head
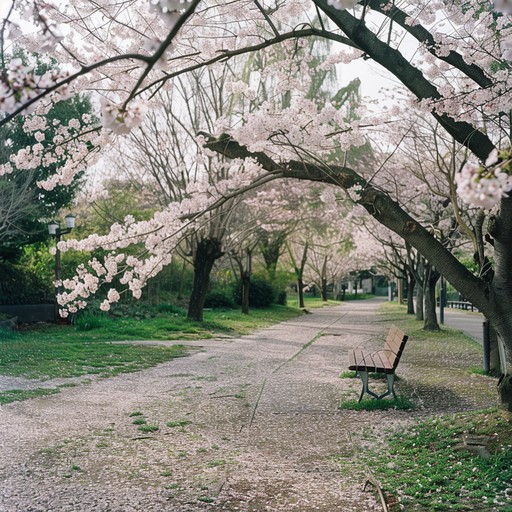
(70,221)
(53,226)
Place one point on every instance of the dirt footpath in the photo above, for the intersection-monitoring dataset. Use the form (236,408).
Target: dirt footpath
(247,424)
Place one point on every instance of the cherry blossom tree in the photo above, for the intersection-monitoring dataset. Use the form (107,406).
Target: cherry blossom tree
(457,72)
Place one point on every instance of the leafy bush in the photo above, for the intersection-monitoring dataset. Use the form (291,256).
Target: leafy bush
(219,299)
(170,308)
(88,320)
(281,298)
(19,285)
(261,292)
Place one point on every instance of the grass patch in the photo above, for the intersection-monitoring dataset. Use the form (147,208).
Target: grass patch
(426,469)
(139,421)
(181,423)
(349,374)
(134,414)
(235,322)
(149,428)
(88,321)
(476,370)
(216,463)
(313,302)
(16,395)
(50,351)
(400,404)
(56,351)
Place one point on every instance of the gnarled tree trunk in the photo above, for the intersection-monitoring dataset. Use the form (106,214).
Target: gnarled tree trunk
(271,247)
(324,280)
(430,281)
(208,250)
(411,282)
(245,277)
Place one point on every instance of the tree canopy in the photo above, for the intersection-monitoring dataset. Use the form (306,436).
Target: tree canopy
(450,59)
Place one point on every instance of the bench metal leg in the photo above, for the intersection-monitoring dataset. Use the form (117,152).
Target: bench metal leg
(391,381)
(364,377)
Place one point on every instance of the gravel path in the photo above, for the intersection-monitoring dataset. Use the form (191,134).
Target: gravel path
(248,424)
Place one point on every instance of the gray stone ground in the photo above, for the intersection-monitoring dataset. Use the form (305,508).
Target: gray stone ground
(258,425)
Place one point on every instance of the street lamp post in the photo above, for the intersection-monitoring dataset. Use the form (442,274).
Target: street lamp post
(56,232)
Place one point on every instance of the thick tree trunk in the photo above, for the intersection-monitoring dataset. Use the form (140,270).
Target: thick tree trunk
(500,314)
(494,358)
(207,252)
(324,289)
(300,289)
(324,280)
(299,272)
(271,247)
(420,306)
(411,282)
(505,393)
(246,283)
(430,281)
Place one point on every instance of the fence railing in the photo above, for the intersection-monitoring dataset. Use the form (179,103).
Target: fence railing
(461,304)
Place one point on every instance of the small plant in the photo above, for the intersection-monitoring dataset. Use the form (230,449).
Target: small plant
(205,499)
(136,413)
(377,405)
(348,375)
(476,370)
(167,472)
(181,423)
(149,428)
(216,463)
(139,421)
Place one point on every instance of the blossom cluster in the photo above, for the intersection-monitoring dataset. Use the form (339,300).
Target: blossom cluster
(69,146)
(159,235)
(484,185)
(20,84)
(122,119)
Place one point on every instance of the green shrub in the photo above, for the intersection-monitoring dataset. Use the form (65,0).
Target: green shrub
(19,285)
(171,309)
(281,298)
(89,320)
(219,299)
(261,293)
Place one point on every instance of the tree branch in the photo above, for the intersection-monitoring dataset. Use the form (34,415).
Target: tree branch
(378,204)
(410,76)
(419,32)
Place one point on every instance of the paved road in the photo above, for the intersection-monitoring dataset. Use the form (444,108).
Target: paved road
(468,322)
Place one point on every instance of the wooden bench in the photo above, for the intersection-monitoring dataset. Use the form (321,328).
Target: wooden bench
(380,361)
